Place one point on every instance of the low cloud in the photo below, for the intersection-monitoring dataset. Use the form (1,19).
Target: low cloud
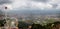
(41,0)
(5,1)
(34,4)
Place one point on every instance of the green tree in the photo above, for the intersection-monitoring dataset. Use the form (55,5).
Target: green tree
(2,22)
(22,25)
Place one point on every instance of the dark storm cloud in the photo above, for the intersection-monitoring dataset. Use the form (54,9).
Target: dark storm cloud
(41,0)
(4,1)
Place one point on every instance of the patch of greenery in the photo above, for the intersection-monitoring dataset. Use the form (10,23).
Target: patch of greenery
(2,22)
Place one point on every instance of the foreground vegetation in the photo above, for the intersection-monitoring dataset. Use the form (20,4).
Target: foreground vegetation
(55,25)
(23,25)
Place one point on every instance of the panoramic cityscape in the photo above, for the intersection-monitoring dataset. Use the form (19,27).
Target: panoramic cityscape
(29,14)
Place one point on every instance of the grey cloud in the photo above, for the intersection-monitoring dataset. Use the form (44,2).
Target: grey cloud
(54,5)
(4,1)
(41,0)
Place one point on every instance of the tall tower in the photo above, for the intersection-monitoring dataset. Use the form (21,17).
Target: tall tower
(10,22)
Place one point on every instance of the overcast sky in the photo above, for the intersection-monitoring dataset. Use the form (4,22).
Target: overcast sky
(31,4)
